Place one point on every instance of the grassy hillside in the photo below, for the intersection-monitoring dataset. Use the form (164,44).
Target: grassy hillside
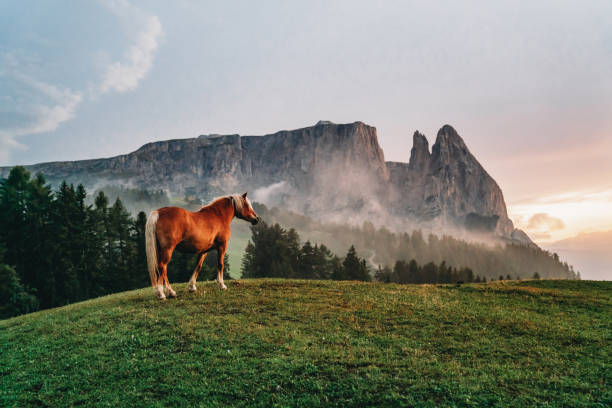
(312,343)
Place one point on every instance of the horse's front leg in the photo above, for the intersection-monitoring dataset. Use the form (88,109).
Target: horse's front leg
(194,277)
(220,255)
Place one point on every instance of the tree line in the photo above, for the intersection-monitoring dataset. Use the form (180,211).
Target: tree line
(384,247)
(276,252)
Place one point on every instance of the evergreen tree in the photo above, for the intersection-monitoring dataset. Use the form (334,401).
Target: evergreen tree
(354,267)
(468,275)
(314,262)
(336,268)
(384,275)
(120,225)
(25,208)
(16,230)
(107,252)
(307,263)
(414,272)
(324,262)
(139,261)
(444,272)
(15,299)
(430,272)
(64,228)
(249,260)
(274,252)
(401,273)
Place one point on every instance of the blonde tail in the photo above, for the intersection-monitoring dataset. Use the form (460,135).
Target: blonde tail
(151,245)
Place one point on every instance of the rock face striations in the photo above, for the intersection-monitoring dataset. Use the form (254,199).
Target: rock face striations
(450,185)
(330,171)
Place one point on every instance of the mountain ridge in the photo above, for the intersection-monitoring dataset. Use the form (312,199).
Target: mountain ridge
(327,170)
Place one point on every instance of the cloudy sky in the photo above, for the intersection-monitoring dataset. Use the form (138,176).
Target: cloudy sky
(528,86)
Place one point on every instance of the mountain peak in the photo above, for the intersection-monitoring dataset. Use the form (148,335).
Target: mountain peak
(419,154)
(448,129)
(447,135)
(419,139)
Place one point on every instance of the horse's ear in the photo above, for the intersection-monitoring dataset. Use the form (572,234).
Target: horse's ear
(245,194)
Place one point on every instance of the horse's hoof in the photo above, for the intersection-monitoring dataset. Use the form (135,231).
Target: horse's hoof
(193,289)
(223,287)
(172,294)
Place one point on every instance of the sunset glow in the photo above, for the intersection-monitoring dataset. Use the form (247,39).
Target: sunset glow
(578,211)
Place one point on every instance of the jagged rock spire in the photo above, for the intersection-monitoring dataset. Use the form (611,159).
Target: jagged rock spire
(449,145)
(419,154)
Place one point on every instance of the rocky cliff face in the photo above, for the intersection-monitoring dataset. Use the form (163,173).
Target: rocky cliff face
(450,185)
(334,171)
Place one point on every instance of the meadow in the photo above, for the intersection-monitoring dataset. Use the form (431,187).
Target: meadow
(274,342)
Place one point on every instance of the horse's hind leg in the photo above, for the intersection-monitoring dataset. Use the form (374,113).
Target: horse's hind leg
(164,258)
(220,255)
(160,285)
(171,292)
(194,277)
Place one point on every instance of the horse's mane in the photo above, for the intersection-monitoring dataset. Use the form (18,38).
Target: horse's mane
(235,198)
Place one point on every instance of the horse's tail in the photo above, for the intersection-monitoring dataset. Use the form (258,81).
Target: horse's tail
(151,245)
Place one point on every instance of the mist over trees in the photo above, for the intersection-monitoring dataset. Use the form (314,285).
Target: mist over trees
(134,200)
(383,247)
(275,252)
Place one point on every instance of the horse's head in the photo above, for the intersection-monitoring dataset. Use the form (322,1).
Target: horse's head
(244,210)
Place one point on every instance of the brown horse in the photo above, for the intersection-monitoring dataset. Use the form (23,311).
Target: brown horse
(171,228)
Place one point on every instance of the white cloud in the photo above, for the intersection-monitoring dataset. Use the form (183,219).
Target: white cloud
(540,226)
(544,223)
(33,105)
(48,106)
(125,76)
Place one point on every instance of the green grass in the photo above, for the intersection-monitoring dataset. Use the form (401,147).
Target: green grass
(314,343)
